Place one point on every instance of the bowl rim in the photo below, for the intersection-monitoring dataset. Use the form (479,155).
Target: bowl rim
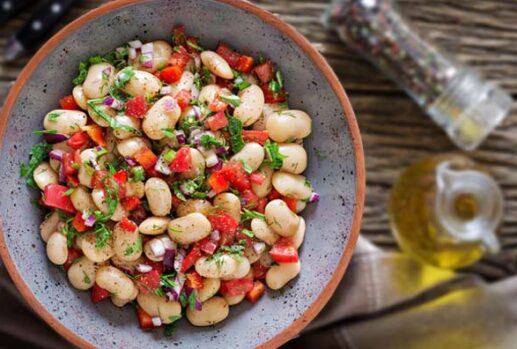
(298,324)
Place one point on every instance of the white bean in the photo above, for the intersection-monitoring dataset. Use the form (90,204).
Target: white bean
(57,249)
(262,231)
(63,121)
(79,97)
(262,190)
(129,266)
(88,244)
(154,225)
(44,175)
(252,154)
(209,93)
(115,281)
(288,125)
(267,110)
(159,196)
(194,205)
(125,120)
(49,226)
(136,189)
(98,80)
(120,302)
(197,164)
(295,160)
(127,245)
(222,267)
(142,84)
(300,206)
(243,268)
(89,156)
(300,234)
(162,52)
(159,306)
(214,310)
(279,275)
(209,289)
(163,115)
(230,203)
(216,64)
(98,119)
(281,219)
(292,186)
(251,255)
(82,273)
(129,147)
(189,229)
(82,200)
(252,103)
(234,300)
(186,82)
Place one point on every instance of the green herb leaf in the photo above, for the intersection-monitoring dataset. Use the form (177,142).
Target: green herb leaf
(113,123)
(208,141)
(69,192)
(274,158)
(178,192)
(233,100)
(248,233)
(194,46)
(167,280)
(83,71)
(169,133)
(137,174)
(42,132)
(102,235)
(247,168)
(54,116)
(38,153)
(134,248)
(124,76)
(235,129)
(248,214)
(86,278)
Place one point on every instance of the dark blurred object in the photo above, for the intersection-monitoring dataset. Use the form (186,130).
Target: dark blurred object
(9,8)
(41,23)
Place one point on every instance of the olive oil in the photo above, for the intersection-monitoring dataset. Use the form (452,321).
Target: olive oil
(444,211)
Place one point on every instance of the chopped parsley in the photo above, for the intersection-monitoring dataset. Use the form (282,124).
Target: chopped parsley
(42,132)
(86,278)
(247,168)
(69,192)
(307,183)
(319,154)
(102,235)
(248,233)
(178,192)
(134,248)
(194,46)
(124,76)
(83,71)
(54,116)
(137,174)
(113,123)
(276,84)
(169,133)
(240,84)
(38,153)
(248,214)
(233,100)
(167,280)
(274,158)
(235,129)
(208,141)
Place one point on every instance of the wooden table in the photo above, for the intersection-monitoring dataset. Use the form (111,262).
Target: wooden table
(395,132)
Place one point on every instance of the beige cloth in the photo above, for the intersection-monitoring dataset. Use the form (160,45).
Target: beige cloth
(386,300)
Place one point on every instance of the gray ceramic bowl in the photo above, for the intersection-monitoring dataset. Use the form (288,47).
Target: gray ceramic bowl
(333,223)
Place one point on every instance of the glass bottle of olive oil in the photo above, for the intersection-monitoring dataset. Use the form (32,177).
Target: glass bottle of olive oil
(444,210)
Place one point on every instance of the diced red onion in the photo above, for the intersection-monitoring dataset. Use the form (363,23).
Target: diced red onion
(199,305)
(56,154)
(211,194)
(211,159)
(215,168)
(108,100)
(157,247)
(114,103)
(215,236)
(170,105)
(166,90)
(178,259)
(180,137)
(62,175)
(197,112)
(135,44)
(90,221)
(157,322)
(130,161)
(143,268)
(173,294)
(259,247)
(147,60)
(221,150)
(315,197)
(98,148)
(162,167)
(168,260)
(132,54)
(54,137)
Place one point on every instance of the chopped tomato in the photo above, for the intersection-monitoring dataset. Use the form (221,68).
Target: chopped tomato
(98,293)
(270,97)
(77,140)
(130,203)
(98,178)
(291,203)
(265,72)
(284,251)
(249,199)
(218,182)
(235,173)
(207,245)
(261,205)
(256,292)
(260,137)
(257,177)
(171,74)
(53,196)
(138,215)
(78,223)
(194,280)
(67,162)
(236,287)
(179,57)
(244,64)
(217,105)
(136,107)
(183,97)
(73,254)
(72,181)
(217,121)
(182,161)
(158,266)
(145,320)
(224,83)
(176,201)
(228,54)
(146,158)
(128,225)
(178,35)
(190,259)
(68,103)
(273,195)
(259,270)
(96,134)
(224,223)
(147,283)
